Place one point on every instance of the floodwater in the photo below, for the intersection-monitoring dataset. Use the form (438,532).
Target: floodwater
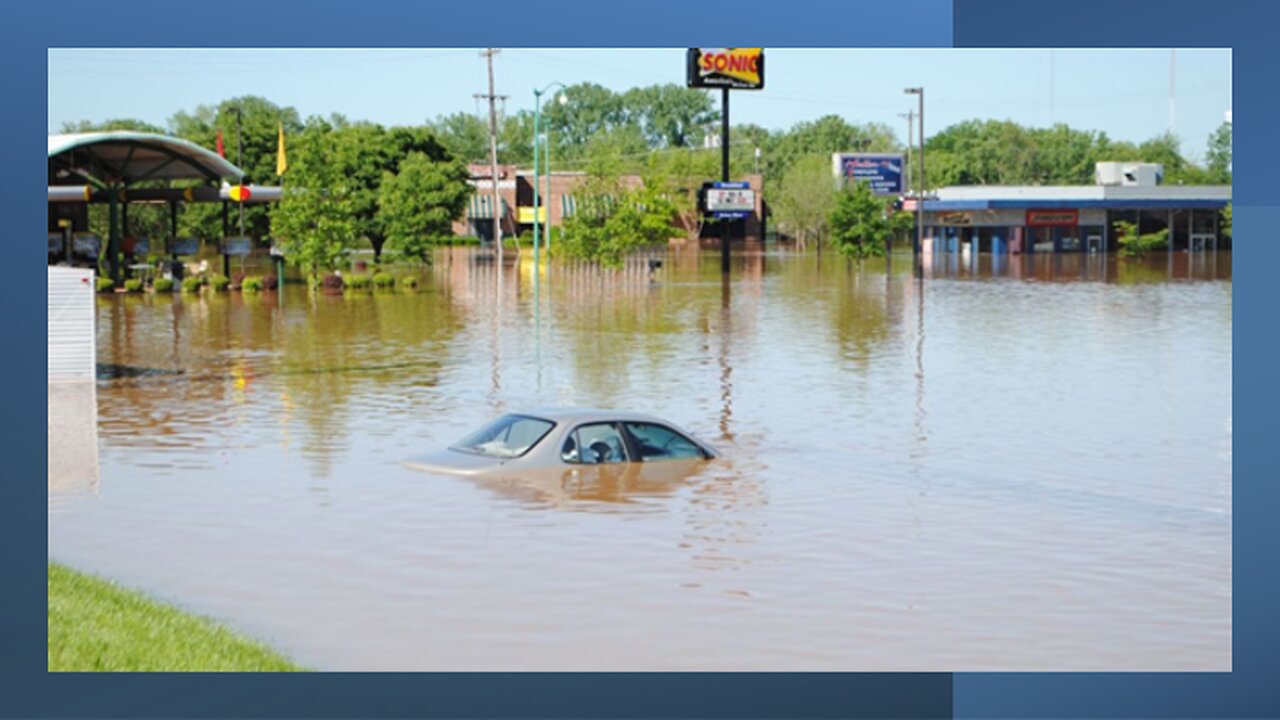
(1023,464)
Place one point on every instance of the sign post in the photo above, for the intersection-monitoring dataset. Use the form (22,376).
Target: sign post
(725,68)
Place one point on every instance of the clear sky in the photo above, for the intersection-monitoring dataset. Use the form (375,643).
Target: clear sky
(1122,92)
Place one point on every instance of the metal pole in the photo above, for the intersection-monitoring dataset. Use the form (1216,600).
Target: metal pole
(113,233)
(724,176)
(240,162)
(920,201)
(493,157)
(547,161)
(537,117)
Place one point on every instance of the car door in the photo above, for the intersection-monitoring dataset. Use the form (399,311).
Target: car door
(654,442)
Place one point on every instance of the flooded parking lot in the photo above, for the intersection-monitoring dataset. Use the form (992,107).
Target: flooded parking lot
(1022,463)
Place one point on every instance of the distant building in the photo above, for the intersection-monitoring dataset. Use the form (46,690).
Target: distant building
(1075,218)
(515,195)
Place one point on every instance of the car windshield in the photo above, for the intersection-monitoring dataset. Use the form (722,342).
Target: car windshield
(507,437)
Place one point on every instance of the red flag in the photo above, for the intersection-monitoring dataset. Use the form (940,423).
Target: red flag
(221,150)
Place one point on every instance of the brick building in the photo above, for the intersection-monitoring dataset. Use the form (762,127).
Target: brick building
(515,194)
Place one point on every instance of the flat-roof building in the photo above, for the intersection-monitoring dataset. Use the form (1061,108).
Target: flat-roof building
(1075,218)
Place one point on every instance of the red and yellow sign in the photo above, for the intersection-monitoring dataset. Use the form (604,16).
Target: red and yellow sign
(1053,218)
(737,68)
(240,193)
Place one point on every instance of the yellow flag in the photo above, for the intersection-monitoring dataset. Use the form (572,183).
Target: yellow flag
(281,163)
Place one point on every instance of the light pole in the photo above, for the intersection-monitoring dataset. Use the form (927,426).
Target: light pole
(919,269)
(537,123)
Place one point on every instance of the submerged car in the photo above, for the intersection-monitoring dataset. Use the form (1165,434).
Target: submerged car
(564,439)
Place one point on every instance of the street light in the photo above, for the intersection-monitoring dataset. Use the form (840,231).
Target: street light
(537,121)
(919,270)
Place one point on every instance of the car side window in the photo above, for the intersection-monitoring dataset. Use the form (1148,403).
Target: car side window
(658,442)
(595,444)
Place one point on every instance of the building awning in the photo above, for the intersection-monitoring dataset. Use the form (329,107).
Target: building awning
(1070,204)
(107,158)
(481,207)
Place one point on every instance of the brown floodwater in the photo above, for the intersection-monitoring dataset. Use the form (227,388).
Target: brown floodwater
(1018,464)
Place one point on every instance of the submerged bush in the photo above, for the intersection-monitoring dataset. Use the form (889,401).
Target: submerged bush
(270,282)
(251,284)
(133,285)
(408,281)
(332,282)
(106,285)
(1133,245)
(219,282)
(163,285)
(356,282)
(384,280)
(192,284)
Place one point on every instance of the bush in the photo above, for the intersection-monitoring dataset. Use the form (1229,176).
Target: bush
(1133,245)
(251,284)
(192,284)
(133,285)
(106,285)
(332,282)
(357,282)
(384,280)
(163,285)
(408,281)
(219,282)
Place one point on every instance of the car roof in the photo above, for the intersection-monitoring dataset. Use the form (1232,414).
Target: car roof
(580,415)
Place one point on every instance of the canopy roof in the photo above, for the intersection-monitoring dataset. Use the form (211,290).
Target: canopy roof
(104,158)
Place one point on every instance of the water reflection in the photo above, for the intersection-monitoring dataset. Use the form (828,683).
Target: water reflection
(1008,463)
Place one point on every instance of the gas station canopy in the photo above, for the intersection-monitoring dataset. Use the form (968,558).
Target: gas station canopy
(124,157)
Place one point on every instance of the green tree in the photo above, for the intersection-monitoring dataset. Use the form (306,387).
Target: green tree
(861,222)
(670,116)
(1218,159)
(1226,220)
(261,120)
(805,197)
(465,135)
(589,110)
(1133,245)
(84,126)
(420,203)
(317,218)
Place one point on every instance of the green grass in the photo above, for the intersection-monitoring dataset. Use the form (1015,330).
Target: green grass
(97,625)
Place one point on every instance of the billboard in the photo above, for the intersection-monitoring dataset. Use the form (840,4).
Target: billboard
(883,171)
(734,68)
(728,199)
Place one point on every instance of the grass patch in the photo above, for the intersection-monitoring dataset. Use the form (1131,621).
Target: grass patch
(98,625)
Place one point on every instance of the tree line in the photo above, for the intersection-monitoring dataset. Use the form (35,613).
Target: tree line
(399,188)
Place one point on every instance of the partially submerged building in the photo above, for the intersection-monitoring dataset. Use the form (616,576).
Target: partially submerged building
(1075,218)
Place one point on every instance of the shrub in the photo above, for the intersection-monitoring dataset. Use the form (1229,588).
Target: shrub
(219,282)
(357,282)
(408,281)
(106,285)
(1133,245)
(332,282)
(133,285)
(192,284)
(251,284)
(384,280)
(270,282)
(163,285)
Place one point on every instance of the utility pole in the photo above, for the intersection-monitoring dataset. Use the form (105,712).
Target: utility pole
(493,151)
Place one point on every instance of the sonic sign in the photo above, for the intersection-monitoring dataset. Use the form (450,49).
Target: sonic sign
(734,68)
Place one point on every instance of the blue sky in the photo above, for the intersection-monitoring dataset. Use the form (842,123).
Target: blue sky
(1122,92)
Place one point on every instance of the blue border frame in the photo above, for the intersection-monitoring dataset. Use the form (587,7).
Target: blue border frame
(28,33)
(1243,25)
(1248,28)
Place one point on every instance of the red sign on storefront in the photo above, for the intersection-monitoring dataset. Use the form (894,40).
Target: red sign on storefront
(1053,218)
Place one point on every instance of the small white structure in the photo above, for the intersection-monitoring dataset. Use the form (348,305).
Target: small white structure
(1128,174)
(73,401)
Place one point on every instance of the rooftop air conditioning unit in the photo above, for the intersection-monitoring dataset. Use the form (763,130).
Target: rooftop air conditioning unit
(1129,174)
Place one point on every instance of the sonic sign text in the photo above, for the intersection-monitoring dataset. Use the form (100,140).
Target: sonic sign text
(735,68)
